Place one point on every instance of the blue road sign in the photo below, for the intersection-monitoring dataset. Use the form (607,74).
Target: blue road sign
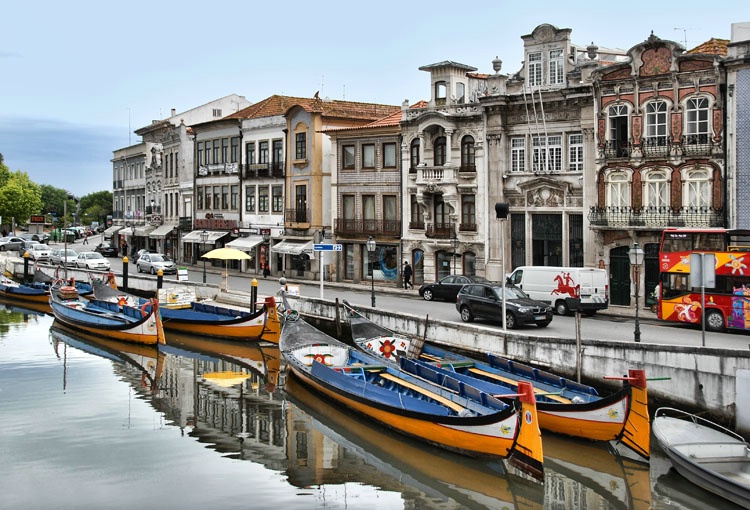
(328,247)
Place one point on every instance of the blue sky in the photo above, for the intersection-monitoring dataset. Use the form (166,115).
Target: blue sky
(79,77)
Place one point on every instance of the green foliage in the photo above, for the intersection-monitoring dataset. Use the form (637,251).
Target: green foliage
(20,197)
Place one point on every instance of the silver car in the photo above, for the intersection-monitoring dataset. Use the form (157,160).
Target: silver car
(92,260)
(39,252)
(9,243)
(152,262)
(60,256)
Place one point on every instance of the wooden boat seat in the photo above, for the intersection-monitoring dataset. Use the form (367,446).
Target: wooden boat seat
(514,383)
(434,396)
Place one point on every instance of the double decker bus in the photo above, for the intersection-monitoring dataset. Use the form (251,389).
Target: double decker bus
(728,303)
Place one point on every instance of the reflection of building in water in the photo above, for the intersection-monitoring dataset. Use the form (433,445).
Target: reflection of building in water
(243,418)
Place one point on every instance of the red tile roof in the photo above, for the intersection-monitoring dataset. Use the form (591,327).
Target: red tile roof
(713,46)
(268,107)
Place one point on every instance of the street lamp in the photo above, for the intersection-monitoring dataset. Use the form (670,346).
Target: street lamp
(371,250)
(636,259)
(454,242)
(204,238)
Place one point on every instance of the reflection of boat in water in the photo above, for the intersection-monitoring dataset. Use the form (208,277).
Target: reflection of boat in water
(26,307)
(574,468)
(145,358)
(261,358)
(435,477)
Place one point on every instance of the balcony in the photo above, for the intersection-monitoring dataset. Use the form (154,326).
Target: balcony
(439,230)
(416,225)
(696,145)
(218,168)
(153,209)
(370,227)
(614,149)
(296,216)
(466,167)
(655,146)
(436,175)
(256,171)
(467,227)
(655,217)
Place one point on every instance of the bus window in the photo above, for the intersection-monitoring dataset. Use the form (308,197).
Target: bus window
(709,241)
(675,284)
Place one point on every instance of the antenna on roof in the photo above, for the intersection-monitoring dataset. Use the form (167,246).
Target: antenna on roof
(684,34)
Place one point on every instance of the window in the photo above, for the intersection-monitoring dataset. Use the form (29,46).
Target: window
(696,118)
(250,199)
(414,154)
(250,153)
(208,198)
(207,152)
(368,212)
(262,199)
(416,219)
(235,154)
(460,93)
(300,203)
(555,67)
(348,207)
(440,93)
(439,149)
(618,129)
(467,154)
(390,207)
(368,155)
(696,191)
(389,155)
(217,152)
(518,154)
(200,154)
(618,190)
(235,191)
(263,152)
(546,153)
(277,199)
(656,188)
(468,212)
(442,216)
(278,154)
(225,197)
(347,156)
(575,153)
(535,69)
(199,196)
(300,146)
(217,197)
(656,123)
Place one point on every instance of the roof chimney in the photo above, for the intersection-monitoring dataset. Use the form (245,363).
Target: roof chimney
(174,112)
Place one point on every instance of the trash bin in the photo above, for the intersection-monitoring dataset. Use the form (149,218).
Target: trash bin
(70,238)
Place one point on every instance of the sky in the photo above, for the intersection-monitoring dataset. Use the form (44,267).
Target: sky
(77,78)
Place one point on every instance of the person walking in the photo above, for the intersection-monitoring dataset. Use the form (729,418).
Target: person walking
(407,275)
(86,238)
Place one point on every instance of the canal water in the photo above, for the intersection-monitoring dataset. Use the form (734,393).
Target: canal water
(86,423)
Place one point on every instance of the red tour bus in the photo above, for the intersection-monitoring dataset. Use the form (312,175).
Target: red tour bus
(727,304)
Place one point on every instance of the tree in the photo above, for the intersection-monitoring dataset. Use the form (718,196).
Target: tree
(96,206)
(20,197)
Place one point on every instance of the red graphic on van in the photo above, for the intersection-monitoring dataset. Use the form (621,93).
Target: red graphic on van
(565,285)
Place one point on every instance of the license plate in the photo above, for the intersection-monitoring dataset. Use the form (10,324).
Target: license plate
(540,318)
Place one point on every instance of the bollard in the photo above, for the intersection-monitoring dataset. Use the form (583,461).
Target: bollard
(253,293)
(26,267)
(125,272)
(159,281)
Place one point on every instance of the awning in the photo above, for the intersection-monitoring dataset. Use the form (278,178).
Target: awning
(126,231)
(245,243)
(293,247)
(111,230)
(161,231)
(213,236)
(144,231)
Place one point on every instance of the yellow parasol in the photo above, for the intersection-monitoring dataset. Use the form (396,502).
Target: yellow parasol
(226,254)
(226,378)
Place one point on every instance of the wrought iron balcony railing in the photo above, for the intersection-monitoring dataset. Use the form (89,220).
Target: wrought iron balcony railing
(297,216)
(696,145)
(439,230)
(661,217)
(616,149)
(370,227)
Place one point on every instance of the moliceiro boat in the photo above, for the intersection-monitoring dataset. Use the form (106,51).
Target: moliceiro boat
(118,322)
(705,453)
(36,291)
(564,406)
(452,416)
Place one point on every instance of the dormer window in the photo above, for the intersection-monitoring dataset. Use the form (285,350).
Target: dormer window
(441,91)
(555,67)
(535,69)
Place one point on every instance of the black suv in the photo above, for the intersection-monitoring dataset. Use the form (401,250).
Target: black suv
(485,301)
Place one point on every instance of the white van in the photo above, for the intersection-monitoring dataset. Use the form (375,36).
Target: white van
(553,284)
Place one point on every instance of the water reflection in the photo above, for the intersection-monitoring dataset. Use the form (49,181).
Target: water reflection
(230,398)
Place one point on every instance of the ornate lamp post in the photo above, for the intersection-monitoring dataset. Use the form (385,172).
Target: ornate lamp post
(204,238)
(454,242)
(371,250)
(636,260)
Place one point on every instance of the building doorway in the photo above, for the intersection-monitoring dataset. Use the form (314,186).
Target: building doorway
(619,276)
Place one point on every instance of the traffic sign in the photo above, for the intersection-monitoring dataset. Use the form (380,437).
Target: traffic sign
(328,247)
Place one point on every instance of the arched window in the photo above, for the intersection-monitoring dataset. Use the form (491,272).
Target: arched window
(439,151)
(696,191)
(467,154)
(414,156)
(656,189)
(440,93)
(618,137)
(618,190)
(656,123)
(460,93)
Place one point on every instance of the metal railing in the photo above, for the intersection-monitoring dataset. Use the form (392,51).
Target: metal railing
(656,216)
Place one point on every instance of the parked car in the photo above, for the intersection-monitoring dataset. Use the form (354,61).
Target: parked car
(61,255)
(485,301)
(152,262)
(107,249)
(25,247)
(447,288)
(39,238)
(92,260)
(10,243)
(39,252)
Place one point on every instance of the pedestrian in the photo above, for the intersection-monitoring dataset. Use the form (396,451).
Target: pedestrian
(124,248)
(407,275)
(266,271)
(86,238)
